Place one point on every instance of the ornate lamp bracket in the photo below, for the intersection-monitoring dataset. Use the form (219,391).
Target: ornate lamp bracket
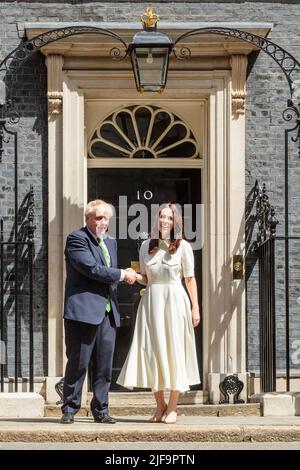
(8,116)
(292,114)
(265,216)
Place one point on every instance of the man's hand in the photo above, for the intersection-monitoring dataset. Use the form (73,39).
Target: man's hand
(130,276)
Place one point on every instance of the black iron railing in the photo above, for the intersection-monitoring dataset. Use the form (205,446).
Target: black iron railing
(265,215)
(16,300)
(267,319)
(278,277)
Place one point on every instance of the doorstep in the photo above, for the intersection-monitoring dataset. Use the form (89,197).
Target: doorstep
(140,409)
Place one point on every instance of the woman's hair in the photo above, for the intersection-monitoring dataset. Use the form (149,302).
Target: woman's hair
(176,234)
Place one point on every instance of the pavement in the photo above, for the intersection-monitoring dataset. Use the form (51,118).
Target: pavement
(136,428)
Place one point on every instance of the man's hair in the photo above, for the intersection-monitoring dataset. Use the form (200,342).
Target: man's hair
(92,207)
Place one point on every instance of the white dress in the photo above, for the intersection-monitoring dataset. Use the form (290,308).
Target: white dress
(162,355)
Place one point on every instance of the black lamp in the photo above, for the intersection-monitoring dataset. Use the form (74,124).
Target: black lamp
(149,52)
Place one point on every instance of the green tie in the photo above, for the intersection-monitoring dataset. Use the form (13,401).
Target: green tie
(106,257)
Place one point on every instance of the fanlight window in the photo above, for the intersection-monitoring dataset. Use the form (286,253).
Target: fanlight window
(143,132)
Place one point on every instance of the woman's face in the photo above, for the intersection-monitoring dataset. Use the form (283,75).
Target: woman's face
(166,222)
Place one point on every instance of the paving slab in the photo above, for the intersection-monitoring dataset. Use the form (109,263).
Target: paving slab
(138,429)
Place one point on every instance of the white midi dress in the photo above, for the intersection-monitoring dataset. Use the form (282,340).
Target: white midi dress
(162,355)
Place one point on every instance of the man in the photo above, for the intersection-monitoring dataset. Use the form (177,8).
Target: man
(91,313)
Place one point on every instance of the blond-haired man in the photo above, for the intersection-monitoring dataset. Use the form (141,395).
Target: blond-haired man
(91,313)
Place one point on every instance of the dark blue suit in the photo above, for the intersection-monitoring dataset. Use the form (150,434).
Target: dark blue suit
(90,331)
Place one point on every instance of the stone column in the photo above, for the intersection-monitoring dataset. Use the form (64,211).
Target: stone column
(237,328)
(54,64)
(74,169)
(226,338)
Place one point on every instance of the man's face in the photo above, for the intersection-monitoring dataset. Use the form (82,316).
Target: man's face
(98,221)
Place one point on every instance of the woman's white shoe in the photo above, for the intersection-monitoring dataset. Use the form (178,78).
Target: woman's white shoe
(171,418)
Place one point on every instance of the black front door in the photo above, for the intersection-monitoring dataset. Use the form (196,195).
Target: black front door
(125,189)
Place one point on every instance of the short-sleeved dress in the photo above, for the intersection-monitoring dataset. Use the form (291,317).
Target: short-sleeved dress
(162,355)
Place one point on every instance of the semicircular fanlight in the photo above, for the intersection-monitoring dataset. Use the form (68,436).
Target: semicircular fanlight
(143,131)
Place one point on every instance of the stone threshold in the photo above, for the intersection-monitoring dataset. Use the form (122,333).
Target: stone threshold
(247,409)
(121,398)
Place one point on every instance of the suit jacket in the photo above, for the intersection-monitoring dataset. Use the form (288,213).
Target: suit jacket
(89,282)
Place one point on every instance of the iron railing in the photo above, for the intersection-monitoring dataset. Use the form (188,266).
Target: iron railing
(267,316)
(266,220)
(16,299)
(278,277)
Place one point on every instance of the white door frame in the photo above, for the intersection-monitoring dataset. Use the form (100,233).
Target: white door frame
(223,196)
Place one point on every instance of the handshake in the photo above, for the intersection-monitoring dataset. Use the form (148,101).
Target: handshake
(130,276)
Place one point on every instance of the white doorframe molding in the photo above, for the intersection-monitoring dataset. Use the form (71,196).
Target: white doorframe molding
(223,196)
(224,307)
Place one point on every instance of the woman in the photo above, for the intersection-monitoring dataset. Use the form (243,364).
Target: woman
(162,355)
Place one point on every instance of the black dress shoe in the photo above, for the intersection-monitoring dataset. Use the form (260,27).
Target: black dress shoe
(105,419)
(67,418)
